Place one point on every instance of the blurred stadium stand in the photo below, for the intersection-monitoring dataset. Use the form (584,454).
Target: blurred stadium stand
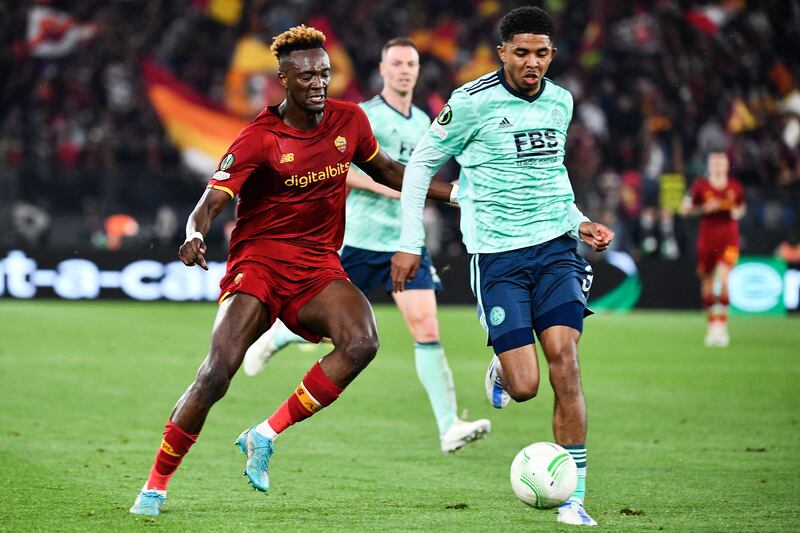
(88,128)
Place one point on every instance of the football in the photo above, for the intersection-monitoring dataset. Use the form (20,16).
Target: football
(543,475)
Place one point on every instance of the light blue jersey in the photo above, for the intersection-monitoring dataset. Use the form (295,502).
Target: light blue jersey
(373,220)
(514,190)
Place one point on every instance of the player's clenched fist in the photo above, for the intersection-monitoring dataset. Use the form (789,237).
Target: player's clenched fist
(193,252)
(596,235)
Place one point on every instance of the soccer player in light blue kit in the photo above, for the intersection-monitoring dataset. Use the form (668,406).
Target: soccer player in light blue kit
(519,222)
(371,236)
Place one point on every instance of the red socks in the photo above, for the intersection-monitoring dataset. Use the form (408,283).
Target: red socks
(315,392)
(174,445)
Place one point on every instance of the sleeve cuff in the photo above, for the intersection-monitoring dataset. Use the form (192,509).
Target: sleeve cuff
(415,250)
(223,189)
(377,149)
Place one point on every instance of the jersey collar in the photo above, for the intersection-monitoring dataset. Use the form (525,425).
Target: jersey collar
(518,94)
(407,117)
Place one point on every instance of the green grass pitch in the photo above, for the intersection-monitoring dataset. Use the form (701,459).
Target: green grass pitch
(681,437)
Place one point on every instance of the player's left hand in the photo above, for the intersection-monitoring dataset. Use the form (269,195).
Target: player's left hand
(404,268)
(596,235)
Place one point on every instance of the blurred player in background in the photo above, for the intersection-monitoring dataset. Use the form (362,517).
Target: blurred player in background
(371,236)
(519,221)
(719,200)
(288,167)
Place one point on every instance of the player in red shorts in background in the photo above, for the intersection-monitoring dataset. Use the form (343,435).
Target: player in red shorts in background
(288,167)
(719,200)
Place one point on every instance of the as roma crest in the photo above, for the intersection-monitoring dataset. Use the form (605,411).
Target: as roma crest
(340,143)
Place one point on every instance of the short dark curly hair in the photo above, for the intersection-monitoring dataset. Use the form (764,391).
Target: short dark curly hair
(526,19)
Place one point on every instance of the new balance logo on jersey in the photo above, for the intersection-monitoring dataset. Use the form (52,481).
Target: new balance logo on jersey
(287,158)
(505,123)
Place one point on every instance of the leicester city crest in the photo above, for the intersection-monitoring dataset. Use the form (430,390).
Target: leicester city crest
(497,315)
(558,118)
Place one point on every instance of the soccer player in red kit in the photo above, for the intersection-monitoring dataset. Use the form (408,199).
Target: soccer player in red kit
(288,167)
(719,200)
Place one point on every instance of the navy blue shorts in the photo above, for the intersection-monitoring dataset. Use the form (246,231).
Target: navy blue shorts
(368,269)
(532,288)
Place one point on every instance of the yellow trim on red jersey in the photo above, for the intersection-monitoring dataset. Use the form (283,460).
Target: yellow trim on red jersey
(223,189)
(221,298)
(377,149)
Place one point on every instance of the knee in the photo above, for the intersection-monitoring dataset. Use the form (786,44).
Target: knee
(361,348)
(524,392)
(212,381)
(521,388)
(424,327)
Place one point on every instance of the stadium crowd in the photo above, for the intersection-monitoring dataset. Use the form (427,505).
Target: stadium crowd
(656,84)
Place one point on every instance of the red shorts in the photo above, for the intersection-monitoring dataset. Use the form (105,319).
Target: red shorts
(283,284)
(709,256)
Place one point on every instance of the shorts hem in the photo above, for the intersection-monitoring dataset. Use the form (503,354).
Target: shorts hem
(570,314)
(516,338)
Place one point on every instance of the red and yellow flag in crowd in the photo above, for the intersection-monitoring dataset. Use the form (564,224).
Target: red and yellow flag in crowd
(252,79)
(483,60)
(440,41)
(198,126)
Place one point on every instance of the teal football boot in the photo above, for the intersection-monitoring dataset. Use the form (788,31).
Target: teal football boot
(149,502)
(258,450)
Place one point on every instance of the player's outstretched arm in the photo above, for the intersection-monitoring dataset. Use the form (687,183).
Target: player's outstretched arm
(424,163)
(389,172)
(359,180)
(193,250)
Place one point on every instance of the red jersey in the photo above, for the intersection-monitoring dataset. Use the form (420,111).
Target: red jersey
(719,228)
(290,182)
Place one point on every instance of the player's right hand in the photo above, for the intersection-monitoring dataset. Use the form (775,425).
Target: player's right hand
(404,268)
(193,252)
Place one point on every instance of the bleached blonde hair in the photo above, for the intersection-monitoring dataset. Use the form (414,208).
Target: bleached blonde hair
(300,37)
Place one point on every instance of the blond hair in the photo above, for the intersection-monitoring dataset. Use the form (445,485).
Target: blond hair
(300,37)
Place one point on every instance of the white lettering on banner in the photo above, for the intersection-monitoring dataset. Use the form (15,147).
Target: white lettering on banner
(181,283)
(77,278)
(81,278)
(19,270)
(140,279)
